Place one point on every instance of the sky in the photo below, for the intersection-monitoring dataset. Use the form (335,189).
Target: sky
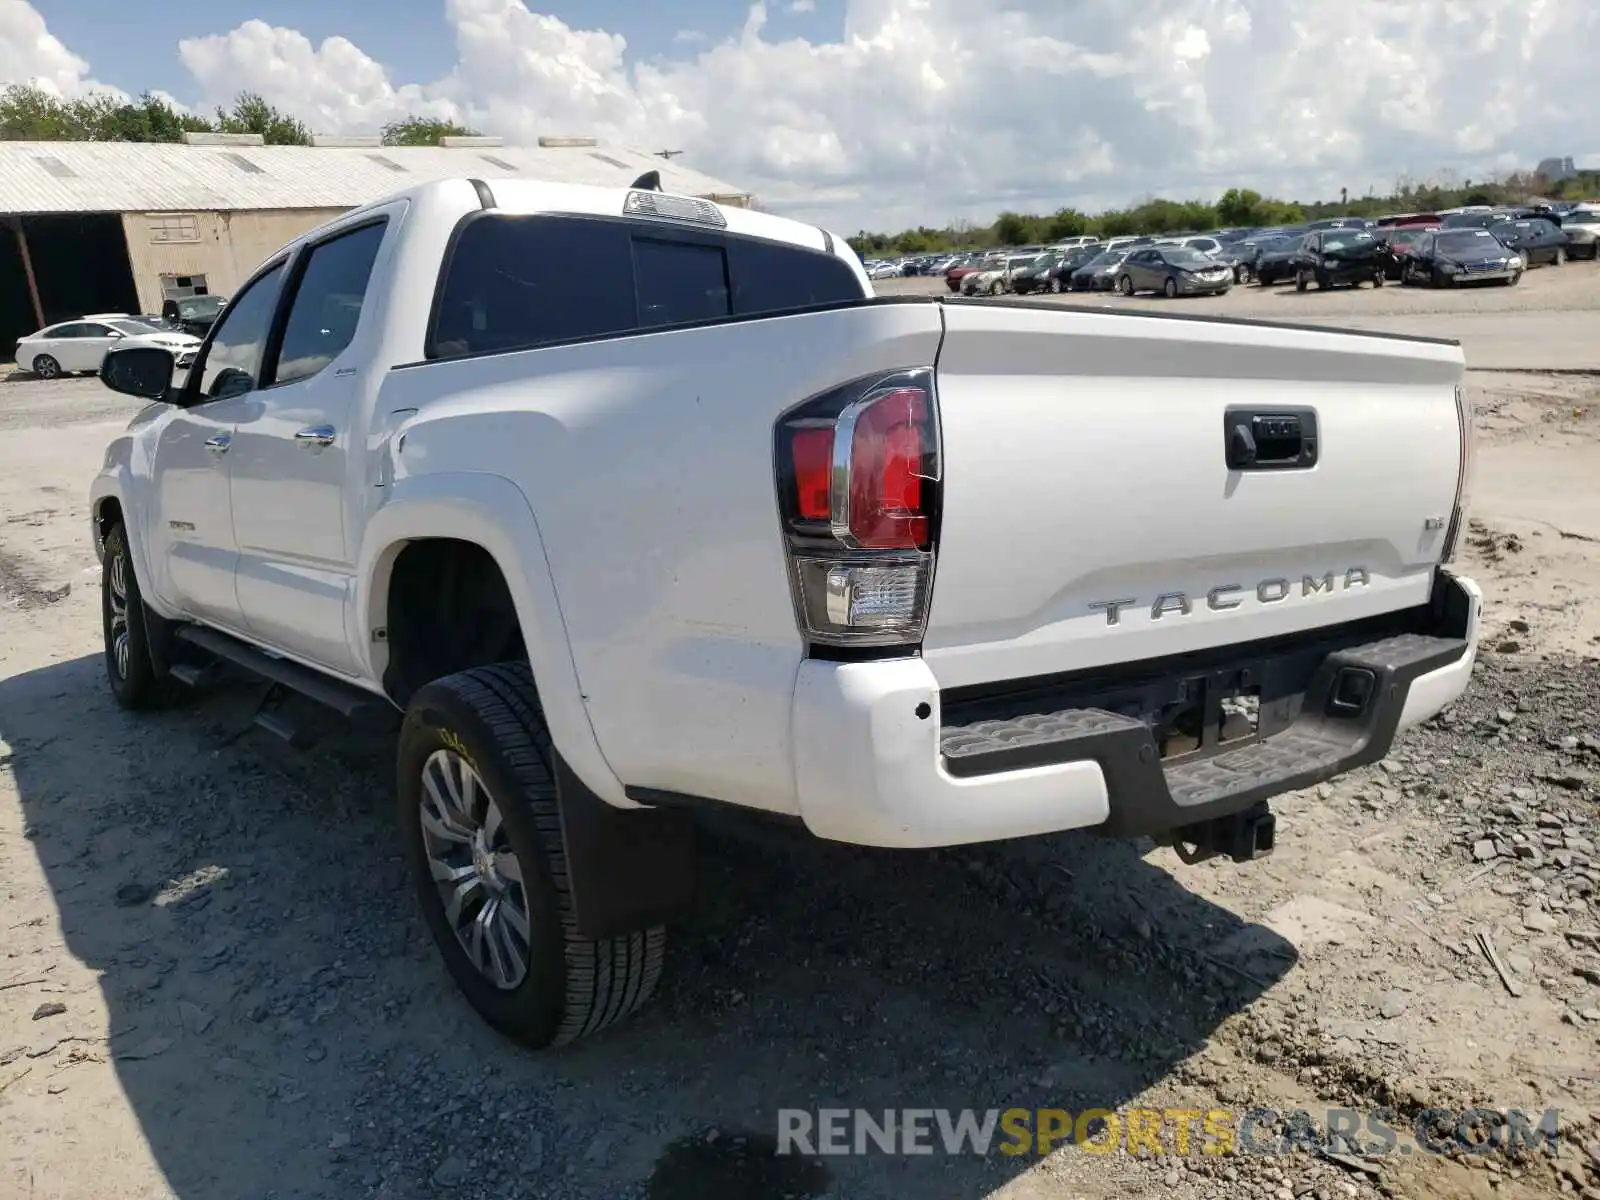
(880,114)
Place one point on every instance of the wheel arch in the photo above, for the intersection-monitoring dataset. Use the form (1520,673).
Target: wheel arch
(491,513)
(109,502)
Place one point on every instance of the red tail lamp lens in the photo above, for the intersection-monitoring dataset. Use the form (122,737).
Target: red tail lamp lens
(887,465)
(813,472)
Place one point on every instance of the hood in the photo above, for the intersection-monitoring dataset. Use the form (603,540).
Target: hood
(166,341)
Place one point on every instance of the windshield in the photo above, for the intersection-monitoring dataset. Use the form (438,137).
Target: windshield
(1110,258)
(1187,256)
(1467,242)
(1513,229)
(1346,241)
(1582,217)
(199,306)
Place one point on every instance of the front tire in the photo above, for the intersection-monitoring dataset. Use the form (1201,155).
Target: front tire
(1055,284)
(480,815)
(46,367)
(1125,285)
(1560,260)
(1169,289)
(135,682)
(1301,281)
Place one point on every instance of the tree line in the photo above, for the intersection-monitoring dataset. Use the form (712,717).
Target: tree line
(28,113)
(1235,207)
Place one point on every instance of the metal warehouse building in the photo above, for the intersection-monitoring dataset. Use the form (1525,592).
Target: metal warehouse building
(122,226)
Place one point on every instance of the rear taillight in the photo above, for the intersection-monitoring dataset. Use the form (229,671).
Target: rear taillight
(858,475)
(1466,424)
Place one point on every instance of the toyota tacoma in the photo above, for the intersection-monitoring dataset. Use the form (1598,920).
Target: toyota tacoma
(614,504)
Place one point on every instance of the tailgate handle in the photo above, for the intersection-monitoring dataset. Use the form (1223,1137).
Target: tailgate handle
(1276,440)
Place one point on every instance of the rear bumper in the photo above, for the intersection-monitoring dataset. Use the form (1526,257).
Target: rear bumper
(882,759)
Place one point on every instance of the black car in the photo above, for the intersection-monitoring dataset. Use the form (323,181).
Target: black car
(1330,257)
(1450,257)
(1099,274)
(1271,259)
(1537,239)
(1059,277)
(1036,276)
(192,314)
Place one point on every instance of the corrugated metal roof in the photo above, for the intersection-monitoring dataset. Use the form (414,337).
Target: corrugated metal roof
(53,177)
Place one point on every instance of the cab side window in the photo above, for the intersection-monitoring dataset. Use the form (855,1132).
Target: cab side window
(327,302)
(232,364)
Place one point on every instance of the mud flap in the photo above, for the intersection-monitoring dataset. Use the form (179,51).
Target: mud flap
(629,868)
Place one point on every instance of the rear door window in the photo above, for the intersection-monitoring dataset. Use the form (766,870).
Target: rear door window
(517,282)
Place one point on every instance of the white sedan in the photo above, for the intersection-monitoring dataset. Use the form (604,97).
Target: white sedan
(81,345)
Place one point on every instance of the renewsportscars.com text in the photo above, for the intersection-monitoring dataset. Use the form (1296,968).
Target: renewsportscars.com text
(1159,1131)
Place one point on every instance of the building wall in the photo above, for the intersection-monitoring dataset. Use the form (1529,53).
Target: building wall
(225,247)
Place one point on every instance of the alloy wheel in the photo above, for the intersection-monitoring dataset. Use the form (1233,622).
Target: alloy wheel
(474,868)
(117,586)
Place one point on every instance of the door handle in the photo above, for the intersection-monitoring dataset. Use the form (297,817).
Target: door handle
(220,443)
(1268,440)
(316,435)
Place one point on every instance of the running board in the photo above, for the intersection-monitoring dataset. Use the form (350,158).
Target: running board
(362,709)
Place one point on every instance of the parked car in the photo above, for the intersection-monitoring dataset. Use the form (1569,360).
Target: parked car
(1332,257)
(1059,277)
(997,278)
(1273,259)
(193,314)
(477,467)
(1173,271)
(1537,239)
(1099,274)
(955,276)
(1036,276)
(1450,257)
(1401,240)
(78,347)
(1582,227)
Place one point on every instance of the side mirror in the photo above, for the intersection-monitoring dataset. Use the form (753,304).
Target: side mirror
(142,371)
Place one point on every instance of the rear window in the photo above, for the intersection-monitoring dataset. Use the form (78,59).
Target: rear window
(517,282)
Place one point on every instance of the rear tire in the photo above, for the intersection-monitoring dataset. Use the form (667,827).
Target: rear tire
(475,744)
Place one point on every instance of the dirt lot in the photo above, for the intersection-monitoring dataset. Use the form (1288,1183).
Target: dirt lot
(213,981)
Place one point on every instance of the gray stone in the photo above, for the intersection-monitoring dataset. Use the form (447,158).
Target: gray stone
(1539,921)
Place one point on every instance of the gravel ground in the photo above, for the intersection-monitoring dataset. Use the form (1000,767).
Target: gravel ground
(213,980)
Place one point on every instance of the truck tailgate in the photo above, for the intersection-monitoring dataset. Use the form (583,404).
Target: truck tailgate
(1090,513)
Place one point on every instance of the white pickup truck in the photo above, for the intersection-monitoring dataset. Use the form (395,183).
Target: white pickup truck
(618,503)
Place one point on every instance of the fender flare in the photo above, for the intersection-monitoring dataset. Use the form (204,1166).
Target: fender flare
(115,483)
(492,512)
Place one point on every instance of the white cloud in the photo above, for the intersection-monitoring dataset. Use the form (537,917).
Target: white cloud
(925,110)
(802,6)
(30,53)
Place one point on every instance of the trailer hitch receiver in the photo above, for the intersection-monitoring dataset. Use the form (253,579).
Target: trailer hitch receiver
(1242,836)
